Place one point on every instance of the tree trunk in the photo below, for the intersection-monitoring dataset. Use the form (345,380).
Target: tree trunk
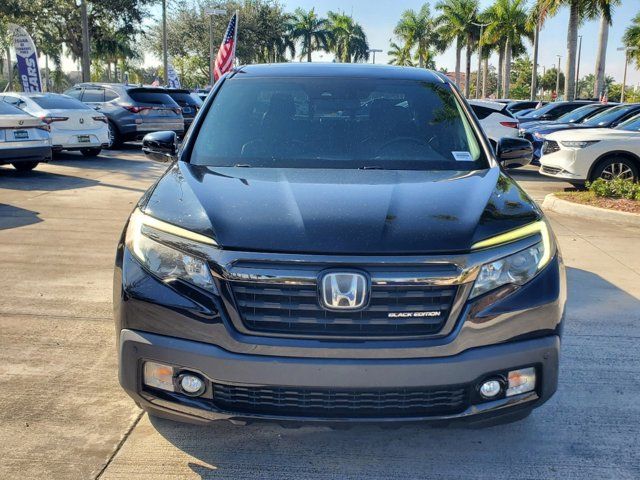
(500,69)
(572,48)
(458,55)
(601,57)
(534,71)
(467,71)
(309,48)
(420,55)
(507,68)
(485,76)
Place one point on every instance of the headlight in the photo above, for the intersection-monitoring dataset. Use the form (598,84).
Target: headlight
(165,262)
(517,268)
(580,144)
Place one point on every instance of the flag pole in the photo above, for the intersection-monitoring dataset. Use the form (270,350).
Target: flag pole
(235,36)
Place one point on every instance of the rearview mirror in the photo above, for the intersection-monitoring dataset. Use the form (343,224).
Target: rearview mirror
(514,152)
(160,146)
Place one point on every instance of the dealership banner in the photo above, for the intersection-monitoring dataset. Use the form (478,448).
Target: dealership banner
(172,76)
(27,59)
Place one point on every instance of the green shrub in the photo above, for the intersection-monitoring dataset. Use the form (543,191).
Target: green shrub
(615,189)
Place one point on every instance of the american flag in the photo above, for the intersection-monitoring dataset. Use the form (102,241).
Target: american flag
(227,52)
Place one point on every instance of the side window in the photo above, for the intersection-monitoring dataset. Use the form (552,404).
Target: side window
(110,95)
(15,101)
(566,109)
(93,95)
(626,116)
(74,93)
(12,100)
(481,112)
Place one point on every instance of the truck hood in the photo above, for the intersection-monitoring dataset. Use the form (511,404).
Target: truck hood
(339,211)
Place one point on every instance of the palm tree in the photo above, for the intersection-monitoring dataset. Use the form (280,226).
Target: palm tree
(400,55)
(606,12)
(312,30)
(579,10)
(508,25)
(456,25)
(347,40)
(417,30)
(541,10)
(631,38)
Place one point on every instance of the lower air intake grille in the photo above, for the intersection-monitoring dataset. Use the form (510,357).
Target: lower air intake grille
(551,170)
(332,403)
(392,310)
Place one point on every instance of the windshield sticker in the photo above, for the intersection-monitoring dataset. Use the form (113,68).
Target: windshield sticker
(462,156)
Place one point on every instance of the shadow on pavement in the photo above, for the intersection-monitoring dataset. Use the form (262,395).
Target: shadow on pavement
(530,174)
(11,179)
(104,161)
(584,431)
(14,217)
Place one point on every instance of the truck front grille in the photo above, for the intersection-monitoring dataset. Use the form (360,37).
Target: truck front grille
(295,309)
(336,403)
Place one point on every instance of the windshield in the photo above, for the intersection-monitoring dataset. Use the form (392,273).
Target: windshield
(610,115)
(538,112)
(184,99)
(337,123)
(51,101)
(579,114)
(151,97)
(632,125)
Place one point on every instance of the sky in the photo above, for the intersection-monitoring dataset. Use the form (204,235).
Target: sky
(379,17)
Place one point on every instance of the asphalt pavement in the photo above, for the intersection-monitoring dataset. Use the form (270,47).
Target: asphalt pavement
(63,415)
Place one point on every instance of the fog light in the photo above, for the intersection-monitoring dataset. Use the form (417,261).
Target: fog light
(190,384)
(157,375)
(490,388)
(521,381)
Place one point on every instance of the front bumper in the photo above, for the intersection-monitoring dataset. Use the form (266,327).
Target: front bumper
(219,366)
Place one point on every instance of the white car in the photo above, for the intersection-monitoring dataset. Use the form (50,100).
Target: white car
(74,125)
(581,155)
(495,119)
(24,139)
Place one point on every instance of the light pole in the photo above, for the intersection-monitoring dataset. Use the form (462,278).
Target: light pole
(626,51)
(578,64)
(86,58)
(481,25)
(374,51)
(558,78)
(165,54)
(212,12)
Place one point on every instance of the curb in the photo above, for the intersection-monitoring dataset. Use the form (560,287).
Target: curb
(565,207)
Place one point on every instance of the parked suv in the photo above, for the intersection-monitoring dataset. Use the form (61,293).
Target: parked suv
(337,243)
(190,104)
(132,111)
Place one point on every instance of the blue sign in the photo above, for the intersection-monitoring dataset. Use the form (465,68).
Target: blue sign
(27,58)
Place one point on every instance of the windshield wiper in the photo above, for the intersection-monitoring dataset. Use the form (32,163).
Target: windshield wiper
(242,165)
(371,167)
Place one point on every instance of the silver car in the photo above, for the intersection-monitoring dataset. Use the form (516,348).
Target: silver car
(132,111)
(24,139)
